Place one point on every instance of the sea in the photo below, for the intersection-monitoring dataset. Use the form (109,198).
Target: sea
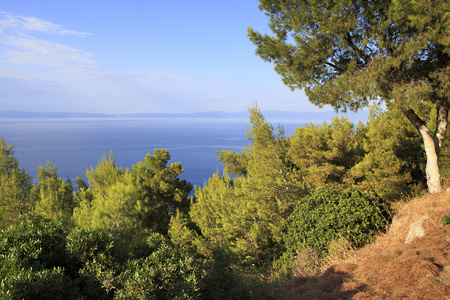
(77,144)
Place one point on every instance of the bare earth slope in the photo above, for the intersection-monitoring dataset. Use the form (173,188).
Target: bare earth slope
(389,268)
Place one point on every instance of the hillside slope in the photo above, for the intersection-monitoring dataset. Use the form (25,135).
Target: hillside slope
(389,268)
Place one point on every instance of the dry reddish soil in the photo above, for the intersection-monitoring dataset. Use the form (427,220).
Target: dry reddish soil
(388,268)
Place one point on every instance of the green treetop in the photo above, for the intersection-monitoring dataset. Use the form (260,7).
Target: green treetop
(131,202)
(53,197)
(242,211)
(112,202)
(15,186)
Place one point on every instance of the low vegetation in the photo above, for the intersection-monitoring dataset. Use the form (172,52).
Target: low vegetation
(40,259)
(386,268)
(283,208)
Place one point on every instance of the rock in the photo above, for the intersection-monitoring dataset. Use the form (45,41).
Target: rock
(416,229)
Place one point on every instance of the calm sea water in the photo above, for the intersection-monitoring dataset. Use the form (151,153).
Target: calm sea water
(75,145)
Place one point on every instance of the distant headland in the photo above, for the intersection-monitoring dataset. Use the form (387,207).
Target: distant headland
(282,115)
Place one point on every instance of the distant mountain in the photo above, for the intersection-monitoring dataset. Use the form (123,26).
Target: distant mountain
(215,114)
(270,115)
(212,114)
(26,114)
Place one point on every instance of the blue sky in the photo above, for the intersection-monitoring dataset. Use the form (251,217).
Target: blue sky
(136,56)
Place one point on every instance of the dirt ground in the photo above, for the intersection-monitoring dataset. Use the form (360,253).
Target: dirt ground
(388,268)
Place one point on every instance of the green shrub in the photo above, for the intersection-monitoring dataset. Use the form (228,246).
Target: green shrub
(166,273)
(330,214)
(33,261)
(97,262)
(44,284)
(445,220)
(40,260)
(221,281)
(35,242)
(86,244)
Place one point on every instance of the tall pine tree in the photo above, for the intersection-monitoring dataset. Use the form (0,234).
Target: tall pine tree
(347,53)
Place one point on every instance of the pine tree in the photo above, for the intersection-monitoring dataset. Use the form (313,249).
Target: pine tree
(15,186)
(112,203)
(161,191)
(393,159)
(53,197)
(242,212)
(348,53)
(132,202)
(324,154)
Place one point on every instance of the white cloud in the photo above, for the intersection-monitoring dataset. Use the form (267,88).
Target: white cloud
(29,51)
(19,47)
(9,21)
(49,76)
(45,60)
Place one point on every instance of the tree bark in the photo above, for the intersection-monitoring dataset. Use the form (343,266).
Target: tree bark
(434,180)
(432,142)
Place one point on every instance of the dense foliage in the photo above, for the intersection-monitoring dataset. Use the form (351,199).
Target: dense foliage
(53,197)
(131,203)
(15,186)
(330,214)
(39,259)
(348,53)
(273,183)
(134,233)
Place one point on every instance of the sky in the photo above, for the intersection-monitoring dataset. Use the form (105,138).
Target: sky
(137,56)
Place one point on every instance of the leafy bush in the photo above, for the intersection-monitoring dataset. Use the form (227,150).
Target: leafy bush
(166,273)
(97,260)
(34,242)
(330,214)
(40,260)
(43,284)
(445,220)
(33,261)
(86,244)
(221,281)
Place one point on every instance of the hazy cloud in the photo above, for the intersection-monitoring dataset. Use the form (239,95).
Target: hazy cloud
(38,74)
(25,57)
(19,47)
(31,51)
(9,21)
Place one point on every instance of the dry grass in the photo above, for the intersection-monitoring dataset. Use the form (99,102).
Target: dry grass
(387,268)
(306,263)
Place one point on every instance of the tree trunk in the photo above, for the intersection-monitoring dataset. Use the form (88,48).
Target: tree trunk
(433,143)
(434,180)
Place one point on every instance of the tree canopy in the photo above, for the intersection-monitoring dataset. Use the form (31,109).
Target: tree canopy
(131,202)
(15,186)
(244,211)
(347,53)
